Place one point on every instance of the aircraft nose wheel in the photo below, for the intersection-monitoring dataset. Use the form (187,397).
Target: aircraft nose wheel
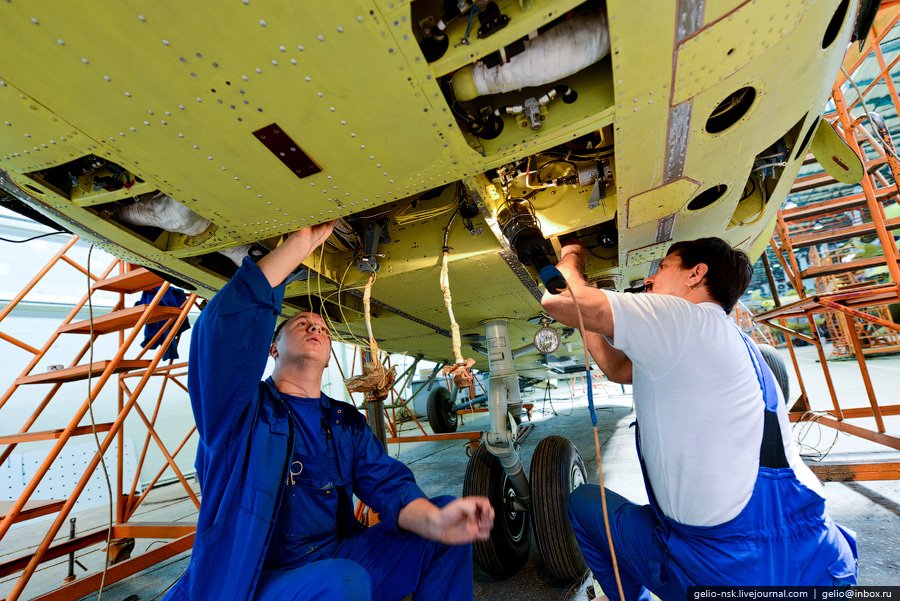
(506,551)
(441,415)
(556,470)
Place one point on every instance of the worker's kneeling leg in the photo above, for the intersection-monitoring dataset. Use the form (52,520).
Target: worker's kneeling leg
(333,579)
(401,563)
(640,556)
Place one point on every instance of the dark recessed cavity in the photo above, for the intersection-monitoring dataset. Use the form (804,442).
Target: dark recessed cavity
(215,263)
(802,148)
(834,26)
(109,211)
(730,110)
(707,197)
(768,167)
(93,176)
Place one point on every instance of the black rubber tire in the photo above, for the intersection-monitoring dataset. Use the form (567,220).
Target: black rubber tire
(506,551)
(779,369)
(440,411)
(556,470)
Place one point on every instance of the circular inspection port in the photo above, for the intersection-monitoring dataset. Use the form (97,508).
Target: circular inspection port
(707,197)
(834,26)
(729,111)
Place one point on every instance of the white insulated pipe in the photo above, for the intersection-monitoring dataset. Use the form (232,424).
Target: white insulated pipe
(163,211)
(562,51)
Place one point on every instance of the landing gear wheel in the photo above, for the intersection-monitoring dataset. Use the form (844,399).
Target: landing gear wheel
(441,415)
(779,369)
(506,551)
(556,470)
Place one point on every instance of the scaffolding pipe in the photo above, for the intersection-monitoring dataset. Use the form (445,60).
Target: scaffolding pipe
(888,246)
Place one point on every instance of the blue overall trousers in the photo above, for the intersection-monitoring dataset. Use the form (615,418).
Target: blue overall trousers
(376,564)
(311,561)
(781,537)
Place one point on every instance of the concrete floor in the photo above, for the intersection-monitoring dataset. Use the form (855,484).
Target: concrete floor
(870,508)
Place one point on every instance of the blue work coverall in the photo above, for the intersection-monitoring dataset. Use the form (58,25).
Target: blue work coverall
(247,447)
(782,536)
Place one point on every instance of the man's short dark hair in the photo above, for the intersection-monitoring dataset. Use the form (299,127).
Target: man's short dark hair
(278,329)
(729,269)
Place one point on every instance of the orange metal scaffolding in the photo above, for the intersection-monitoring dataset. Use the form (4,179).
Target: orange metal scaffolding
(855,304)
(121,279)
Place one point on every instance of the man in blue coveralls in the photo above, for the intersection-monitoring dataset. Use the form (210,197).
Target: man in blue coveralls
(731,502)
(279,463)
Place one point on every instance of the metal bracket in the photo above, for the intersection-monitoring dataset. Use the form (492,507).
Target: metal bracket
(502,444)
(491,20)
(376,233)
(532,115)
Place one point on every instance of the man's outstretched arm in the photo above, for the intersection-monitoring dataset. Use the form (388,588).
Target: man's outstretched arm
(459,522)
(389,487)
(230,339)
(596,312)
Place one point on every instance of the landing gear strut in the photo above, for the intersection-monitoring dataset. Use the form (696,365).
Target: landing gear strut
(495,471)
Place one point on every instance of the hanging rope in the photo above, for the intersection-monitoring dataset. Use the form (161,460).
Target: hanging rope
(376,381)
(367,307)
(461,370)
(448,302)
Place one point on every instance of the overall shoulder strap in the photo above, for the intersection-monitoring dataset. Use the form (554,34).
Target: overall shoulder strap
(771,451)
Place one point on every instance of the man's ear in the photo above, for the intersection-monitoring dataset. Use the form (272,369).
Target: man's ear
(699,271)
(273,350)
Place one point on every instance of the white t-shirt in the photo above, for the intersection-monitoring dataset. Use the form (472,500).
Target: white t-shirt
(699,406)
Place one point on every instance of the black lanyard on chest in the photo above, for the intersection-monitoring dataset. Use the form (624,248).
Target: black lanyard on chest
(326,431)
(335,439)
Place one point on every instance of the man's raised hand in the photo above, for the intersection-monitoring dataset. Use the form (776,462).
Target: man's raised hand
(282,261)
(314,235)
(572,257)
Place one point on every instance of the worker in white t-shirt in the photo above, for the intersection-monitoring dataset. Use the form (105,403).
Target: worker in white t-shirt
(731,503)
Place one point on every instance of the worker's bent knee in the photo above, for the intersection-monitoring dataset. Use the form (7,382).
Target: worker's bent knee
(348,581)
(337,579)
(583,500)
